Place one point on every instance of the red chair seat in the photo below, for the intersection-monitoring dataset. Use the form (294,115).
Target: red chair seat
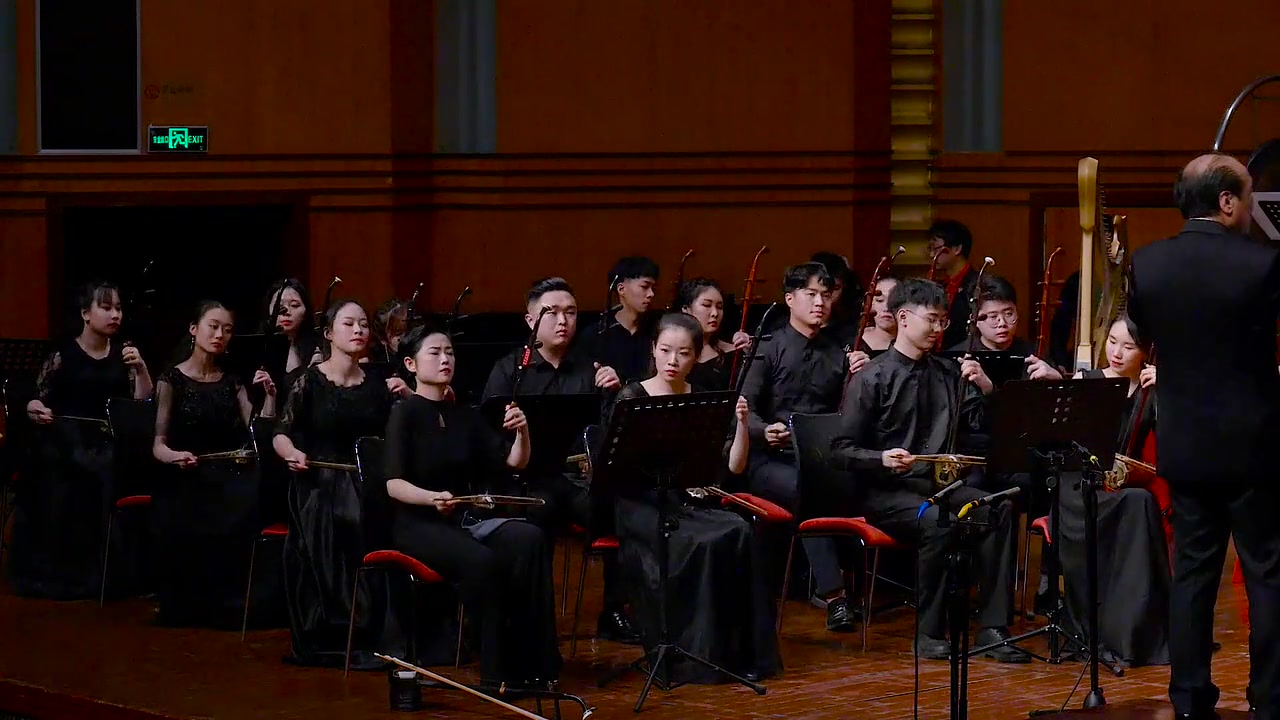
(1041,526)
(277,530)
(869,534)
(404,562)
(133,501)
(577,530)
(773,512)
(605,543)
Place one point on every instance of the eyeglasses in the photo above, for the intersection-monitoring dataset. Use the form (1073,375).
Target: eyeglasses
(1009,316)
(941,323)
(933,250)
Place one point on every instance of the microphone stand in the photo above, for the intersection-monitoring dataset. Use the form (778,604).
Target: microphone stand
(959,586)
(1091,478)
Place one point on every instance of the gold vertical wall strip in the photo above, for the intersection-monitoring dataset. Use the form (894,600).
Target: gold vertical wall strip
(913,109)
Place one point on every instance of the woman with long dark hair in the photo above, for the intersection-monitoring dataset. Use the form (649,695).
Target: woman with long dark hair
(288,311)
(703,299)
(62,510)
(206,508)
(333,403)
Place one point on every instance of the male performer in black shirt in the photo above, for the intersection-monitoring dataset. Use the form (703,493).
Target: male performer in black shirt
(559,368)
(950,242)
(801,369)
(901,406)
(1219,409)
(626,342)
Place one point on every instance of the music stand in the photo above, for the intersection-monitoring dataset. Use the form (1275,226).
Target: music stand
(1044,427)
(246,354)
(667,443)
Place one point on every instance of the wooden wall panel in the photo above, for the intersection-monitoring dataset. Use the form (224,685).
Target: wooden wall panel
(354,244)
(23,272)
(678,76)
(1139,75)
(286,76)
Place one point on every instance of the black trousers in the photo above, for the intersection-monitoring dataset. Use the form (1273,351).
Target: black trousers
(1205,515)
(505,582)
(569,502)
(779,481)
(894,511)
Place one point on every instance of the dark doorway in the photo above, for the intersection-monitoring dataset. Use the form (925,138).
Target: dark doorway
(229,253)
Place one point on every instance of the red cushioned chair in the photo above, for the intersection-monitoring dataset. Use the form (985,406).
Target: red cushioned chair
(374,502)
(592,548)
(278,531)
(811,437)
(132,424)
(1039,528)
(124,503)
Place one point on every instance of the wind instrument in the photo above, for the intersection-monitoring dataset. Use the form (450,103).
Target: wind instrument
(747,297)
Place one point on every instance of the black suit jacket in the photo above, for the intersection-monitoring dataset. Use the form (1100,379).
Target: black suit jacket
(1209,300)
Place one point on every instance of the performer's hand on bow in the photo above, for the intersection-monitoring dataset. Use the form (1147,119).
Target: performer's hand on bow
(183,459)
(897,459)
(1147,378)
(514,419)
(39,413)
(741,340)
(857,360)
(297,461)
(607,377)
(263,378)
(972,371)
(1038,369)
(443,501)
(777,434)
(397,386)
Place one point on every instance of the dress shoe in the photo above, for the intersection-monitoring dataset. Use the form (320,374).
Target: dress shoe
(1004,653)
(839,617)
(931,648)
(616,626)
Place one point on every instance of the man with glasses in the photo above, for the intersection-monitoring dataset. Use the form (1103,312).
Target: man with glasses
(800,369)
(950,243)
(899,407)
(998,325)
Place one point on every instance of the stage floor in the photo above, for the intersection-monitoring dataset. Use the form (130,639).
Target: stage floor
(60,660)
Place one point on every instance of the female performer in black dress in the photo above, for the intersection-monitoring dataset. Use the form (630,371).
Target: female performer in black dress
(703,299)
(718,605)
(1133,556)
(62,510)
(436,449)
(289,312)
(206,509)
(333,403)
(880,334)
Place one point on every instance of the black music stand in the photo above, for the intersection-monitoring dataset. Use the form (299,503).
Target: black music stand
(247,353)
(1051,428)
(667,443)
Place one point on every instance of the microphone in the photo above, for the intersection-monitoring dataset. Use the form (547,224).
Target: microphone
(939,496)
(988,500)
(1086,454)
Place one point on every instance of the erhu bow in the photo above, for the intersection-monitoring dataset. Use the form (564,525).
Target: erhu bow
(1042,312)
(1103,255)
(747,297)
(675,285)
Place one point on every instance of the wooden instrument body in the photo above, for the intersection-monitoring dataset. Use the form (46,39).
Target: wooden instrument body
(1103,258)
(1140,478)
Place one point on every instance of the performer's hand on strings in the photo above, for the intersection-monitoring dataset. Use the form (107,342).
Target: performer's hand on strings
(777,434)
(396,386)
(607,377)
(132,357)
(897,459)
(1147,378)
(443,501)
(1038,369)
(39,413)
(858,360)
(514,419)
(297,461)
(972,371)
(741,340)
(263,378)
(742,411)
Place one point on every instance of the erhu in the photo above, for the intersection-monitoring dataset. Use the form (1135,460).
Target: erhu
(456,313)
(747,297)
(608,317)
(328,300)
(1042,312)
(1126,470)
(750,350)
(882,268)
(675,285)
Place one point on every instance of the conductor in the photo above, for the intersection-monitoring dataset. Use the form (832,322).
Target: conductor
(1214,439)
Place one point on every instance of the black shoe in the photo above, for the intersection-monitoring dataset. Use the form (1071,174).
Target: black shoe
(1004,653)
(839,617)
(931,648)
(616,626)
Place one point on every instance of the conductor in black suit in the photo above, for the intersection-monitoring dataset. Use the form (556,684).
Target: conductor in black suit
(1219,421)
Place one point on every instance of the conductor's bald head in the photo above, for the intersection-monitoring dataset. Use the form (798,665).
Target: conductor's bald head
(1216,187)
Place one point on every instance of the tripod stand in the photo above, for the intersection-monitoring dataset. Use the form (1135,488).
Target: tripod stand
(663,445)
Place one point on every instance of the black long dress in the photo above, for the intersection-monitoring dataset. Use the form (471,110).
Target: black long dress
(1133,560)
(62,505)
(206,517)
(502,566)
(718,605)
(326,544)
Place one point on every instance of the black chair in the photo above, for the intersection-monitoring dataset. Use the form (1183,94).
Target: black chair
(133,425)
(375,511)
(592,546)
(823,486)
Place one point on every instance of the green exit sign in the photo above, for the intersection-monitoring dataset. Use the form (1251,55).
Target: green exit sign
(177,139)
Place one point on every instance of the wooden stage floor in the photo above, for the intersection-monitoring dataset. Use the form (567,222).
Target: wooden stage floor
(75,660)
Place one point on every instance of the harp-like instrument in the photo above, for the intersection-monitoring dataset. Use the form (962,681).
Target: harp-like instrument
(1104,253)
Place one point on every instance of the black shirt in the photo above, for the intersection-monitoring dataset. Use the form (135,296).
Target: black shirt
(793,374)
(575,374)
(897,402)
(627,353)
